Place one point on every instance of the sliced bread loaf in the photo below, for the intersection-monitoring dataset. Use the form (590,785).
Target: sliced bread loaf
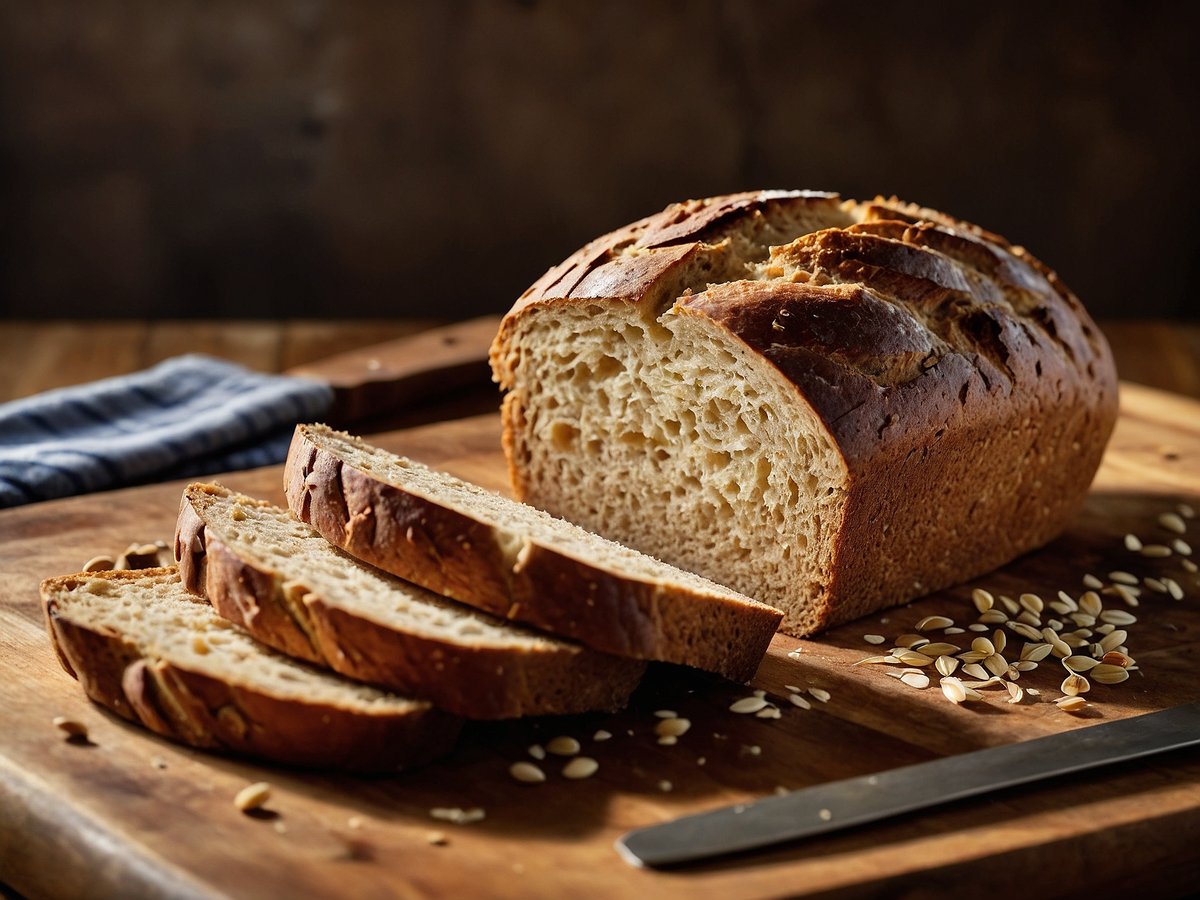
(516,561)
(286,585)
(148,650)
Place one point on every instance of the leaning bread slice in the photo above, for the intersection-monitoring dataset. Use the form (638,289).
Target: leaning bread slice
(286,585)
(516,561)
(148,650)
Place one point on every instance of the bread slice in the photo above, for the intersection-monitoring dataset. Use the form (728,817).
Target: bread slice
(516,561)
(148,650)
(288,587)
(831,406)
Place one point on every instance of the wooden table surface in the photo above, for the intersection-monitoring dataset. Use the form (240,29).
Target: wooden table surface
(35,356)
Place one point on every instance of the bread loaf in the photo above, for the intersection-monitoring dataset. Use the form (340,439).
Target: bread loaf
(515,561)
(152,653)
(286,585)
(830,406)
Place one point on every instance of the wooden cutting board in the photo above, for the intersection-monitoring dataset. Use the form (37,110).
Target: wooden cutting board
(133,815)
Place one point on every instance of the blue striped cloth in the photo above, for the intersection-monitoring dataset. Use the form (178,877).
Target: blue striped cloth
(190,415)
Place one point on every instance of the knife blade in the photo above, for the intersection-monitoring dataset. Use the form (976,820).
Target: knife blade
(825,808)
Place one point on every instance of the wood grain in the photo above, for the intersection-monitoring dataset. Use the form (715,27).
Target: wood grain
(104,820)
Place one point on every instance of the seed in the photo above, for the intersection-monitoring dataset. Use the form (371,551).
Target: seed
(1035,652)
(996,664)
(1173,588)
(916,679)
(824,815)
(1155,585)
(1010,605)
(1117,617)
(953,689)
(973,656)
(672,727)
(1106,628)
(1067,600)
(1091,581)
(978,627)
(565,746)
(953,629)
(1117,658)
(799,701)
(819,694)
(911,641)
(99,564)
(999,640)
(793,688)
(1030,618)
(1015,693)
(1060,648)
(580,767)
(993,617)
(1075,684)
(1128,594)
(771,712)
(670,713)
(1063,608)
(1074,640)
(1113,639)
(1080,663)
(930,623)
(436,838)
(1071,704)
(945,665)
(1120,577)
(537,751)
(1182,547)
(941,649)
(665,786)
(1132,543)
(748,705)
(526,772)
(877,660)
(252,796)
(1156,551)
(975,671)
(1108,674)
(982,599)
(914,658)
(1090,603)
(983,645)
(1032,603)
(1172,522)
(1186,511)
(1189,566)
(75,731)
(1026,631)
(1025,665)
(874,638)
(602,735)
(1082,619)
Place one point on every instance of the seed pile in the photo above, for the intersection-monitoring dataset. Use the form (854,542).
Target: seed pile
(1086,637)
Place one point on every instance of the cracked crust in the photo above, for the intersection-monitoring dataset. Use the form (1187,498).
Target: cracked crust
(965,391)
(230,714)
(528,674)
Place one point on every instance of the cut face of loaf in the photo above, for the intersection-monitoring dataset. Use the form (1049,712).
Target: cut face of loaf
(148,650)
(516,561)
(832,407)
(286,585)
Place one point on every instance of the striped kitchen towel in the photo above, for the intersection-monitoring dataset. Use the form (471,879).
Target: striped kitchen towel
(190,415)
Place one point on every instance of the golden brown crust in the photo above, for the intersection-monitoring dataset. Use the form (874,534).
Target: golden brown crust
(477,682)
(213,714)
(966,388)
(464,558)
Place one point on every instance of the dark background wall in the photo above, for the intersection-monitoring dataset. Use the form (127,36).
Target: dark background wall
(380,158)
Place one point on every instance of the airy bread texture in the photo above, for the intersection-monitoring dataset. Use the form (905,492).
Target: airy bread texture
(516,561)
(286,585)
(148,650)
(830,406)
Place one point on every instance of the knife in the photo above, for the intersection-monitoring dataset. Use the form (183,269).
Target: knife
(831,807)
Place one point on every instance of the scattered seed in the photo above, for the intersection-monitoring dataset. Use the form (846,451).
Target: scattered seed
(1132,543)
(669,741)
(1080,663)
(1071,704)
(1117,658)
(1074,640)
(527,772)
(984,646)
(74,731)
(563,746)
(819,694)
(1090,603)
(1091,581)
(1035,652)
(793,688)
(799,701)
(982,599)
(1083,620)
(1155,585)
(917,680)
(993,617)
(1128,594)
(748,705)
(1010,605)
(978,627)
(975,670)
(999,640)
(1189,566)
(940,649)
(953,629)
(1182,547)
(675,727)
(1118,617)
(1032,603)
(537,751)
(1120,577)
(953,689)
(874,638)
(996,664)
(973,656)
(671,714)
(1173,588)
(458,816)
(1015,693)
(437,838)
(1026,631)
(602,735)
(252,796)
(930,623)
(1186,511)
(914,658)
(1156,551)
(771,712)
(665,786)
(946,665)
(1173,522)
(1025,665)
(580,767)
(911,641)
(99,564)
(877,660)
(1109,674)
(1113,639)
(824,815)
(1075,684)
